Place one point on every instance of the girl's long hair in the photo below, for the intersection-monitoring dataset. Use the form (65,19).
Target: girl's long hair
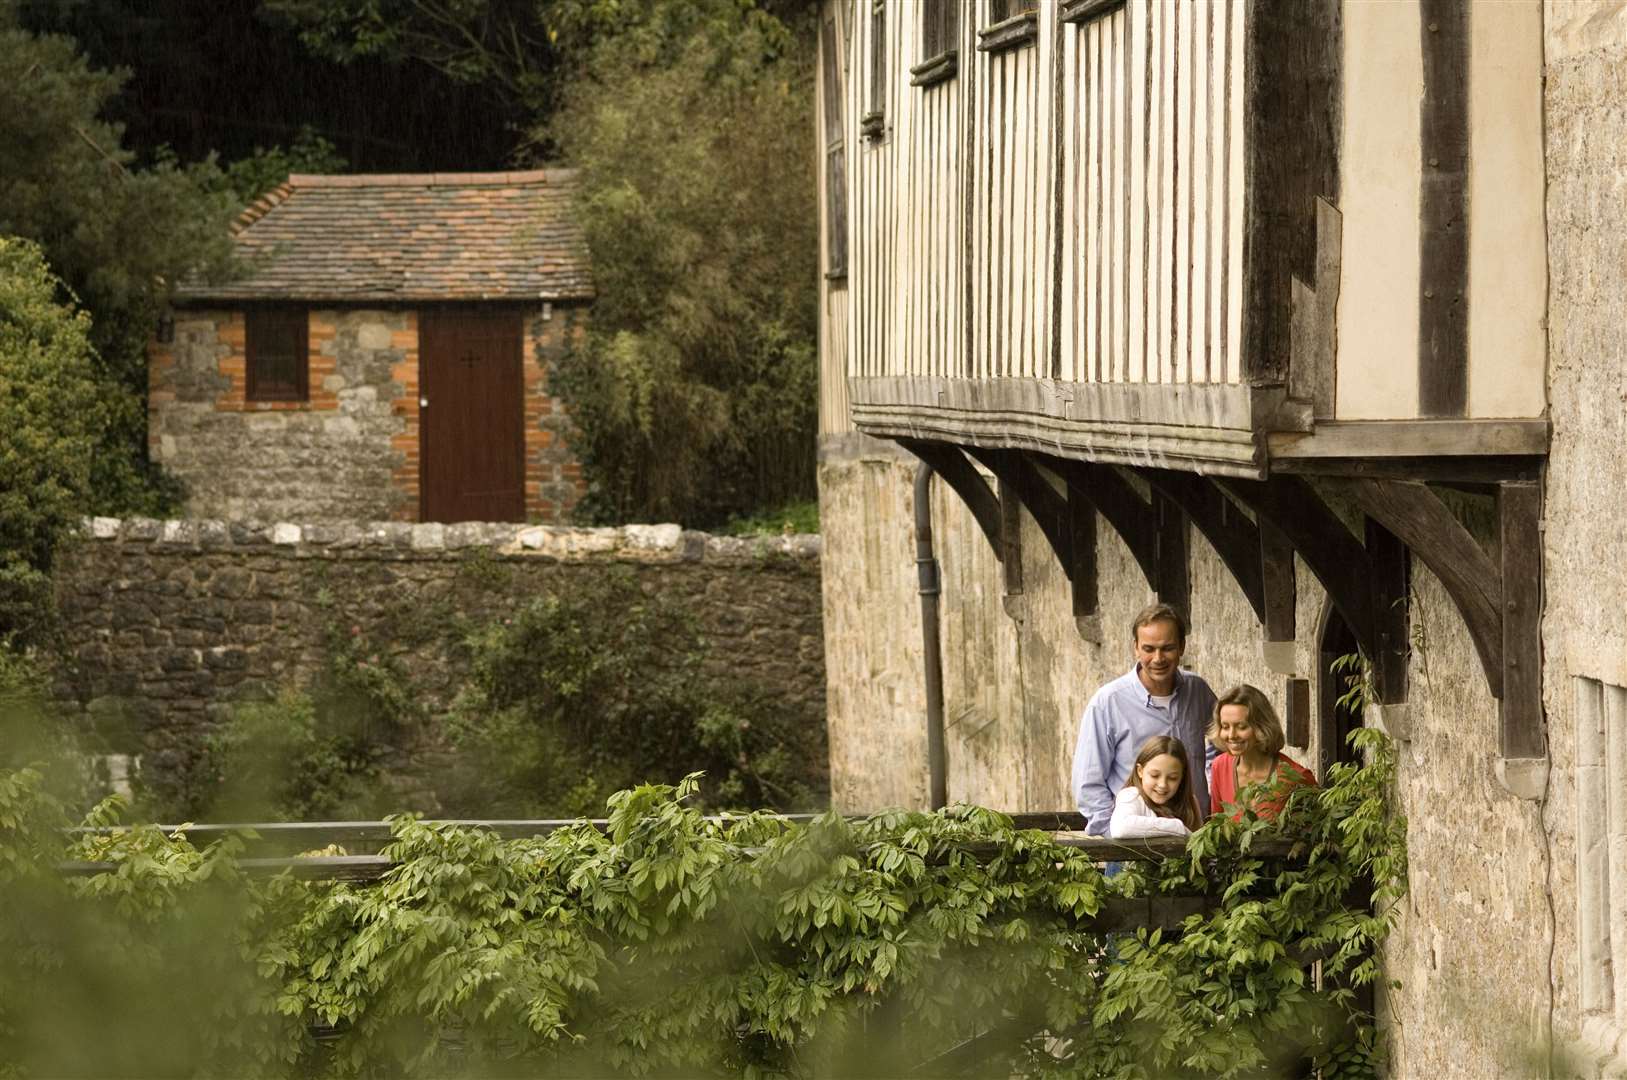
(1183,805)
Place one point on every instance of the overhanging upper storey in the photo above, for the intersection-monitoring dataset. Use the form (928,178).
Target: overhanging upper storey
(1225,236)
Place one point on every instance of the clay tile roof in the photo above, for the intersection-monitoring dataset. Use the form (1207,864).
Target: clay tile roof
(410,237)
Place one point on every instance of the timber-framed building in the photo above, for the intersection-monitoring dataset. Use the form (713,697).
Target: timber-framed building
(1306,318)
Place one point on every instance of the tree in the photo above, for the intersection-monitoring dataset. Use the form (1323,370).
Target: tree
(118,234)
(696,391)
(54,417)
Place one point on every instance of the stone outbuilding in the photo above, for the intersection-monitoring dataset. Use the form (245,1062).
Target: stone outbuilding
(385,356)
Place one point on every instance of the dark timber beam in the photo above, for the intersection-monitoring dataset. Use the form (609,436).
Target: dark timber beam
(1126,512)
(1019,478)
(1443,210)
(1519,512)
(1420,520)
(1234,537)
(1338,560)
(1174,582)
(964,479)
(1011,541)
(1390,599)
(1087,617)
(1278,583)
(1154,530)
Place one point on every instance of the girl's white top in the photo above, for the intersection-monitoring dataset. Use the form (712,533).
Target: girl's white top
(1133,818)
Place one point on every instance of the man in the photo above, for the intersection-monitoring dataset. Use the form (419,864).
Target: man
(1154,698)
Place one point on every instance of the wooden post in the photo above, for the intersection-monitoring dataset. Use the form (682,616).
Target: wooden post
(1519,510)
(1390,615)
(1083,572)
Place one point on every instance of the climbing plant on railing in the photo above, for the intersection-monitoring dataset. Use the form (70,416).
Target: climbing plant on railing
(671,944)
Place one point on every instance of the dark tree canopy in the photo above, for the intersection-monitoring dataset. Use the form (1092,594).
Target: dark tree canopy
(227,78)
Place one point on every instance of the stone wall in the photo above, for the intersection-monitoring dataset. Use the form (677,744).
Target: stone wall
(1584,630)
(167,622)
(351,451)
(1472,948)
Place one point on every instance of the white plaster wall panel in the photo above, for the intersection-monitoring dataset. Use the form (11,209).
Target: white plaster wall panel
(1379,197)
(1507,283)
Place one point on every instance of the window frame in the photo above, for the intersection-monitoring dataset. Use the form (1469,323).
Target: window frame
(835,154)
(873,124)
(261,326)
(940,43)
(1013,24)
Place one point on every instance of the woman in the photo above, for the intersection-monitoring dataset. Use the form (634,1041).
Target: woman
(1246,727)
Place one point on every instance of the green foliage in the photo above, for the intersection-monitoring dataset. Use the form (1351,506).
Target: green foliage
(695,393)
(580,693)
(676,945)
(118,233)
(306,756)
(253,176)
(54,419)
(797,517)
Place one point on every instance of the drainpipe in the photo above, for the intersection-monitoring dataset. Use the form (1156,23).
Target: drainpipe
(926,570)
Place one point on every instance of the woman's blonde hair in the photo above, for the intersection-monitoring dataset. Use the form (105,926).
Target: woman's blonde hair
(1261,716)
(1183,805)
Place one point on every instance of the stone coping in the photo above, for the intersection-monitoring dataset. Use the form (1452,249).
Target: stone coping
(399,539)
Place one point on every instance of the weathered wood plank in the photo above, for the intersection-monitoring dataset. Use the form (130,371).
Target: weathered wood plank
(1412,438)
(1519,511)
(1443,271)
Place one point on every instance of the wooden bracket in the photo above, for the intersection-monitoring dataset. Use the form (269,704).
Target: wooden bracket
(1294,510)
(1423,523)
(1234,537)
(950,463)
(1499,599)
(1019,479)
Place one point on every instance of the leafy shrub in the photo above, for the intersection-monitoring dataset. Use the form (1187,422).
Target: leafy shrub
(677,945)
(52,418)
(579,694)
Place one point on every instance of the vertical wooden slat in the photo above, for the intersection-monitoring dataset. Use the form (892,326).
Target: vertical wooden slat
(1231,342)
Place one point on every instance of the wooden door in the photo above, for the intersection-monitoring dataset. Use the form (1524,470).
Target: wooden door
(471,419)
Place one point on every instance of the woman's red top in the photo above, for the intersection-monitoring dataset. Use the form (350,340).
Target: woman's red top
(1223,784)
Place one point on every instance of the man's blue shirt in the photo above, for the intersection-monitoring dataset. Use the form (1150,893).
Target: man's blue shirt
(1120,717)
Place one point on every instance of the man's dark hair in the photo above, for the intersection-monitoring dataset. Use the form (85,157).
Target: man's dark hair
(1159,613)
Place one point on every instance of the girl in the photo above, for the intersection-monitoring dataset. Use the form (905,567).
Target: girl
(1158,800)
(1246,728)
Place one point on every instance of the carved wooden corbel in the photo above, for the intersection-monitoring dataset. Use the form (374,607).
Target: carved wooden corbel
(964,480)
(1234,537)
(1154,531)
(1500,601)
(1293,508)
